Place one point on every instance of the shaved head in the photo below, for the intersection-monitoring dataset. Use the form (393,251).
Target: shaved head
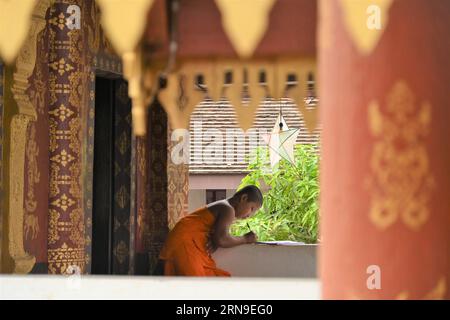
(253,194)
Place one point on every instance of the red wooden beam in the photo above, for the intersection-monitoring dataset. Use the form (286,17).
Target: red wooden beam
(291,31)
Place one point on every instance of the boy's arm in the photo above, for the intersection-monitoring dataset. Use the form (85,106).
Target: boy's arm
(221,236)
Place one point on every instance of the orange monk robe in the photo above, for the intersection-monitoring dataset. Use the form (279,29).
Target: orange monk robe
(184,252)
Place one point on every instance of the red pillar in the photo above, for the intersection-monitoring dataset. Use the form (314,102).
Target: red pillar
(385,171)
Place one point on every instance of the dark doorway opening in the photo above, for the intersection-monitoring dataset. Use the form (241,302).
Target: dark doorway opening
(111,178)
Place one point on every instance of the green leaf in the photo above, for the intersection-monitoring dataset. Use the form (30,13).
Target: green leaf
(290,210)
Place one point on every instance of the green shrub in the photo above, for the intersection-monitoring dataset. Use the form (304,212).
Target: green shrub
(290,209)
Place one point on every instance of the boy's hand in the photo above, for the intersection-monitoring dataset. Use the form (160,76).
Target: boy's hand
(250,237)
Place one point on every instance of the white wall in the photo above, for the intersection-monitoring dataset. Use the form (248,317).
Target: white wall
(214,181)
(230,192)
(196,199)
(258,260)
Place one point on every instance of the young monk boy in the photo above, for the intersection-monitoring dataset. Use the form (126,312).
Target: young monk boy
(187,250)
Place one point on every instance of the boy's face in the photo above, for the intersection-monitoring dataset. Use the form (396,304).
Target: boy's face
(246,208)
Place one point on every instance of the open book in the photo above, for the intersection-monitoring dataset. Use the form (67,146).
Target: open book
(281,243)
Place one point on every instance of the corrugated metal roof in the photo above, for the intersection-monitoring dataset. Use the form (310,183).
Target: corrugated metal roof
(219,146)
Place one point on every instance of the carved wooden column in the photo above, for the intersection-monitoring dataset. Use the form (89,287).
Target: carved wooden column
(1,162)
(177,180)
(66,227)
(141,262)
(21,112)
(151,190)
(156,183)
(385,174)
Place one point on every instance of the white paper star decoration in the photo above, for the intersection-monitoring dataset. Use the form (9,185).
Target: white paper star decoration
(281,142)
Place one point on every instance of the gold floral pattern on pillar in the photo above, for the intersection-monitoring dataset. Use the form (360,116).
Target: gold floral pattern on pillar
(15,17)
(53,232)
(59,260)
(66,229)
(251,16)
(436,293)
(401,181)
(366,21)
(177,185)
(121,252)
(122,197)
(439,291)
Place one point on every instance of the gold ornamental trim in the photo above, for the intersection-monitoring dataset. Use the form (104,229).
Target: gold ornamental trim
(366,21)
(124,23)
(25,64)
(245,23)
(401,181)
(14,26)
(250,83)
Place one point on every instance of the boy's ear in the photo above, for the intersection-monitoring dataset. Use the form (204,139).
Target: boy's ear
(244,197)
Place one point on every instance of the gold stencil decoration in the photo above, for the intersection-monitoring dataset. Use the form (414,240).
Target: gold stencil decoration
(76,227)
(401,182)
(251,16)
(365,21)
(15,18)
(121,252)
(62,259)
(402,295)
(53,234)
(123,143)
(122,197)
(439,291)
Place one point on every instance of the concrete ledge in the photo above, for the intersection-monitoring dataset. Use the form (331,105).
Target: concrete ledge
(258,260)
(155,288)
